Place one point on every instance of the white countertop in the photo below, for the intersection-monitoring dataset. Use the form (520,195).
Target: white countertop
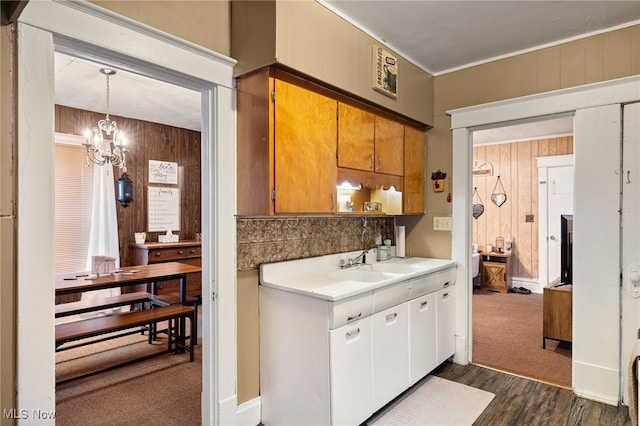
(321,277)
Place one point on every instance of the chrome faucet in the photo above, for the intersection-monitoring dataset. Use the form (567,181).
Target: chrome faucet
(358,260)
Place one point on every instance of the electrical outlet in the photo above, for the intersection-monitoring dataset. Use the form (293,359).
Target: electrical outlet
(442,224)
(528,218)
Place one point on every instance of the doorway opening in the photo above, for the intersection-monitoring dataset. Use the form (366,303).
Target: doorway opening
(162,123)
(507,237)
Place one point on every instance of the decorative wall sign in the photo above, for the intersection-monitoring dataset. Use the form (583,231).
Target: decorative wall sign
(163,172)
(164,209)
(385,72)
(482,168)
(437,180)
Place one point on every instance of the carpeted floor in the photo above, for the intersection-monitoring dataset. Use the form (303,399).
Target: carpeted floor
(160,391)
(507,336)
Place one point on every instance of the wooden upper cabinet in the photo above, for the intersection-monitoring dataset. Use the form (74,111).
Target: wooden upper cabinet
(305,129)
(414,171)
(389,146)
(356,130)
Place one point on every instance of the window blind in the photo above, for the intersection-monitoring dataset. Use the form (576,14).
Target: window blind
(73,197)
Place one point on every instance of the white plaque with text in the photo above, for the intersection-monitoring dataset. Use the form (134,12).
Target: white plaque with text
(163,172)
(164,209)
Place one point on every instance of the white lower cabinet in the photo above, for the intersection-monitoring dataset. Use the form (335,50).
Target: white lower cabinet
(337,362)
(445,306)
(350,370)
(389,351)
(422,336)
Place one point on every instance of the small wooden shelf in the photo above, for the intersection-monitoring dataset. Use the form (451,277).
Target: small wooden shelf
(496,271)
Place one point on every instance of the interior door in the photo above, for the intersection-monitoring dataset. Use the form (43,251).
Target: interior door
(630,235)
(560,201)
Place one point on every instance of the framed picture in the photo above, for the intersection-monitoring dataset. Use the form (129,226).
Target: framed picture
(163,172)
(385,72)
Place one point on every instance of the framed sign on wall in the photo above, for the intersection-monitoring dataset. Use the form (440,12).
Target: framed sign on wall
(165,172)
(163,209)
(385,72)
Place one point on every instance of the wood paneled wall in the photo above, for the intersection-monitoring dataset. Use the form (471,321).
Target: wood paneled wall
(517,167)
(147,141)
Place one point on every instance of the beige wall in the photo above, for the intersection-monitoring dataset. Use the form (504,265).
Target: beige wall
(598,58)
(206,23)
(7,225)
(309,38)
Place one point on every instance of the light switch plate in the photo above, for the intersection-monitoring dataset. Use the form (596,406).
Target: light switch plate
(442,224)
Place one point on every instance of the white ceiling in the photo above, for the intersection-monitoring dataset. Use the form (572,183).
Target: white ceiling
(437,36)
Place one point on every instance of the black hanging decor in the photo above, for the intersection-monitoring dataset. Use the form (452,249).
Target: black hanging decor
(477,206)
(498,198)
(124,190)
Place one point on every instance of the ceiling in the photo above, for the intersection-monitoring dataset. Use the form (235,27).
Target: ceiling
(437,36)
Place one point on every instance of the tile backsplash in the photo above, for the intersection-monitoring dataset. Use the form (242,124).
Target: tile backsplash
(266,239)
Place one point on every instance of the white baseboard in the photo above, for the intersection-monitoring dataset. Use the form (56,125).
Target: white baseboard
(530,283)
(596,382)
(249,413)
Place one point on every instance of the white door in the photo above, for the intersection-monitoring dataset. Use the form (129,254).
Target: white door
(422,336)
(559,202)
(350,353)
(445,321)
(630,235)
(390,353)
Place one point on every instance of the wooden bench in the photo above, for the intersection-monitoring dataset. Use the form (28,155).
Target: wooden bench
(174,314)
(81,307)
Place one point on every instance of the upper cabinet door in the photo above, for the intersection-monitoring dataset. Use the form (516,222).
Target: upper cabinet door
(414,170)
(356,129)
(389,143)
(305,129)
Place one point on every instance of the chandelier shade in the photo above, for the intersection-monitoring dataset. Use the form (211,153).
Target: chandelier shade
(106,143)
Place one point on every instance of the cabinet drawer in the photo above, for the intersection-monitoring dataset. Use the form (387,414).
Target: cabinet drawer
(165,255)
(390,296)
(350,309)
(447,277)
(424,285)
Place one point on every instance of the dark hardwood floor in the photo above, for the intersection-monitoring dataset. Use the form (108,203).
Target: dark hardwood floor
(520,401)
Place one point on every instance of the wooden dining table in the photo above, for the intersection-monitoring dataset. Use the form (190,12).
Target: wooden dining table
(79,282)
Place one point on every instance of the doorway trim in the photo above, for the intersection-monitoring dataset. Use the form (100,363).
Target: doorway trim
(81,27)
(463,122)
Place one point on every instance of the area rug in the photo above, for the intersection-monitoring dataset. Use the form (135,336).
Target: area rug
(435,401)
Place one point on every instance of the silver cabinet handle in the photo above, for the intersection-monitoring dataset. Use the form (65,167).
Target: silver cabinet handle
(373,162)
(331,202)
(379,163)
(353,317)
(352,333)
(392,316)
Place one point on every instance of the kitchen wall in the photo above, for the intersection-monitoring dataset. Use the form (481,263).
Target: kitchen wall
(593,59)
(204,22)
(517,167)
(147,141)
(309,38)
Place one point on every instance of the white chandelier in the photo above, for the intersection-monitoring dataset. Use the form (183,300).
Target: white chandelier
(102,147)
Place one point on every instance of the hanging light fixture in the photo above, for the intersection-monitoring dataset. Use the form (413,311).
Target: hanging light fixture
(105,143)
